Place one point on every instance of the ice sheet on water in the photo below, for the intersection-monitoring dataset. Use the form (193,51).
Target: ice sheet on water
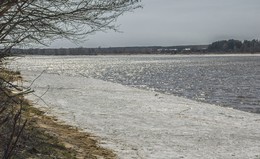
(138,123)
(213,79)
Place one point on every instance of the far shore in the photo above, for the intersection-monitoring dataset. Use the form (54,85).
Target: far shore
(153,54)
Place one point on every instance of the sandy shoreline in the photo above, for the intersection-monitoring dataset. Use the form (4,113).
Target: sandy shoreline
(143,124)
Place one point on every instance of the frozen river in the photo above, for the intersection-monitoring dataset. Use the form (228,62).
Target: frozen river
(96,94)
(232,81)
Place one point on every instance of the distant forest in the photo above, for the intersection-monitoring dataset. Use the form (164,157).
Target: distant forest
(223,46)
(235,46)
(113,50)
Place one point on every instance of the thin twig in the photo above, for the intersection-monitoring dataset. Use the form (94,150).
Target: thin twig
(36,78)
(40,97)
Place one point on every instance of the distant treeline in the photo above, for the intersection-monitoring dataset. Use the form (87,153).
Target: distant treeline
(85,51)
(236,46)
(223,46)
(112,50)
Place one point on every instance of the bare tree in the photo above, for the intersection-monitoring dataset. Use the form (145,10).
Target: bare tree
(36,21)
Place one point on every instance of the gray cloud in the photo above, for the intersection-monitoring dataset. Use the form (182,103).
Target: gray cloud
(176,22)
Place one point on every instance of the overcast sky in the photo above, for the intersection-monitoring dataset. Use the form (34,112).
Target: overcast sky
(179,22)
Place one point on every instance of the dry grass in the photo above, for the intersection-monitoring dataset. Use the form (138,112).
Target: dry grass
(62,140)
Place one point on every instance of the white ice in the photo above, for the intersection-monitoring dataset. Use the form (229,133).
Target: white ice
(143,124)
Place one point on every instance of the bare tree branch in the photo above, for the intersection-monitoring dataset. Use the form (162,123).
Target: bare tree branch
(35,21)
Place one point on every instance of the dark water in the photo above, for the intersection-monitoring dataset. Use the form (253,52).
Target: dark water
(223,80)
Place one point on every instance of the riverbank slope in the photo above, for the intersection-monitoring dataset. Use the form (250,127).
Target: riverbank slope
(41,136)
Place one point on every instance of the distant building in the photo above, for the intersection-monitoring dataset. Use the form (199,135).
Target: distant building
(186,50)
(166,50)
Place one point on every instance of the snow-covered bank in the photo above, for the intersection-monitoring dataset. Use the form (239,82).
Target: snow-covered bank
(144,124)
